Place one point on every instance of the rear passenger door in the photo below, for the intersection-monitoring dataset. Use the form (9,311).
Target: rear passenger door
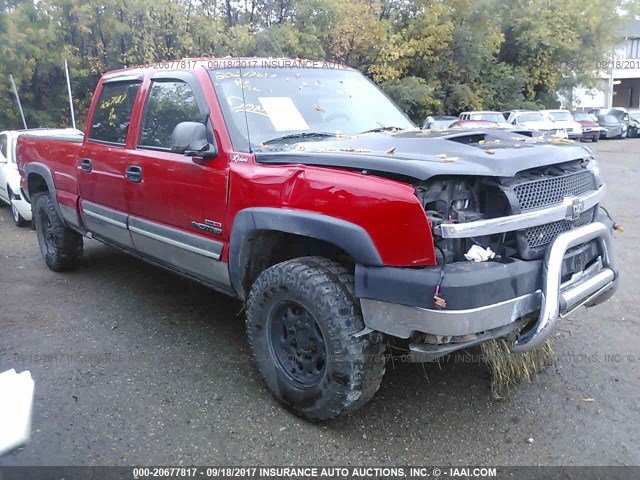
(177,203)
(103,161)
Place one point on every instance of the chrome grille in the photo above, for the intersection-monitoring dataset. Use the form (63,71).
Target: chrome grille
(552,190)
(541,189)
(544,234)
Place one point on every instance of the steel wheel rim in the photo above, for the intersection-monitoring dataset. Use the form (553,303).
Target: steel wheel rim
(48,234)
(296,343)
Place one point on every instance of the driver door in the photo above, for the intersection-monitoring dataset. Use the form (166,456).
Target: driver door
(176,203)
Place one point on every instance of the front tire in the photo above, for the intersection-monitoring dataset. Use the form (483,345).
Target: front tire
(61,247)
(18,219)
(301,317)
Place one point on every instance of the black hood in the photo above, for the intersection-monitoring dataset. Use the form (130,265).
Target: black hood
(421,154)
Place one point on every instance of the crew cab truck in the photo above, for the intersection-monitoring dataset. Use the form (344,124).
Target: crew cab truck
(305,192)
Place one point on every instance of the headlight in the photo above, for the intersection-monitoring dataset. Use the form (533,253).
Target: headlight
(594,167)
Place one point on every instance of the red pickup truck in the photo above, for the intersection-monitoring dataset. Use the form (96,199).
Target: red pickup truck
(302,190)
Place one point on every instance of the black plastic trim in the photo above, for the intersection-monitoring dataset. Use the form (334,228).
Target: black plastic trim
(36,168)
(465,284)
(350,237)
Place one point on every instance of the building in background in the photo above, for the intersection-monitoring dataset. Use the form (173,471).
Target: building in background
(619,75)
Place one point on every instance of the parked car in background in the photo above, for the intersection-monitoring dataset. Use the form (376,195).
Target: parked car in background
(484,124)
(623,116)
(565,120)
(506,114)
(590,128)
(612,126)
(536,121)
(438,122)
(488,116)
(634,123)
(10,191)
(619,113)
(466,124)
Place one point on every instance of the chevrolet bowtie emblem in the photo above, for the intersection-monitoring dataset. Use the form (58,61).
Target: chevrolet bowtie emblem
(575,209)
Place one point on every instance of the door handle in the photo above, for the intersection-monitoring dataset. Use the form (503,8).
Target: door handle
(134,173)
(85,165)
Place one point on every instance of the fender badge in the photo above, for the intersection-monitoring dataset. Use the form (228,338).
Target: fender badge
(208,226)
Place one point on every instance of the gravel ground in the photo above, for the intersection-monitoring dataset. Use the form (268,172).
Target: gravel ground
(134,365)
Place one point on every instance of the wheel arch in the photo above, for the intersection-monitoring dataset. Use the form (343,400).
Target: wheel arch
(262,237)
(40,179)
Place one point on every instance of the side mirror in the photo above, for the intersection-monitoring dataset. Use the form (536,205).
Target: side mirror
(190,139)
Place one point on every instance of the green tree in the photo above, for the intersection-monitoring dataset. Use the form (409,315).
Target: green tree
(431,56)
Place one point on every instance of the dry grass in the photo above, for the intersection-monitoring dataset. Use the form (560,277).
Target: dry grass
(508,368)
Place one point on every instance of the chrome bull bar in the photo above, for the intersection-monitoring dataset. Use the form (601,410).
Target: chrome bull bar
(590,287)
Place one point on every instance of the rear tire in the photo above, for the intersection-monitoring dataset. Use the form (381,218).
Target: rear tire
(301,317)
(18,219)
(61,247)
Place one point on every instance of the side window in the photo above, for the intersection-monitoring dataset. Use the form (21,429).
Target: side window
(3,146)
(169,103)
(110,122)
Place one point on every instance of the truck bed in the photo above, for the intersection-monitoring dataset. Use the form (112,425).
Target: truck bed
(60,153)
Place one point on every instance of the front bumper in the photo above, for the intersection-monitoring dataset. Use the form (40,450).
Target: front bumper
(489,299)
(590,134)
(611,132)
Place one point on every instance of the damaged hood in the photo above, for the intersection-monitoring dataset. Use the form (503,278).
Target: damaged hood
(422,154)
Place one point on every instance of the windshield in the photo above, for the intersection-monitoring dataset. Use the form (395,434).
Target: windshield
(438,123)
(561,116)
(532,117)
(635,116)
(278,102)
(488,116)
(585,117)
(475,124)
(607,119)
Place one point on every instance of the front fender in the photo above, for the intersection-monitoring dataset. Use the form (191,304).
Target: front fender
(351,238)
(13,178)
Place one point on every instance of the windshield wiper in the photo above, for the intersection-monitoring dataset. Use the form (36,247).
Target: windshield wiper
(294,136)
(381,129)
